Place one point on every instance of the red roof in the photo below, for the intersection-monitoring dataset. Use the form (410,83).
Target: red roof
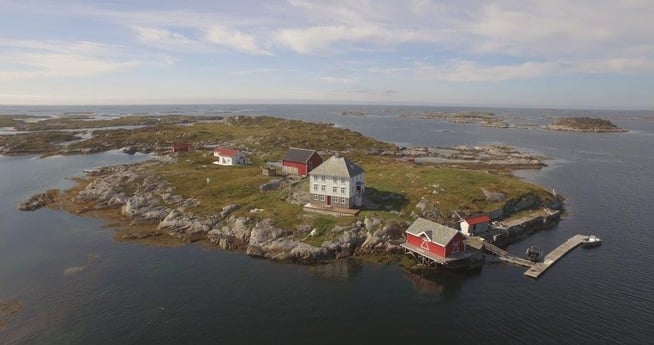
(482,218)
(225,152)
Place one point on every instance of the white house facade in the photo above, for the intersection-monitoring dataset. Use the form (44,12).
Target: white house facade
(337,182)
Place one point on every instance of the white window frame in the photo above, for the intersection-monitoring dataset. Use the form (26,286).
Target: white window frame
(323,188)
(315,187)
(322,197)
(334,189)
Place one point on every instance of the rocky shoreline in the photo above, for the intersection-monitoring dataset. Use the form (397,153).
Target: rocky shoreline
(151,210)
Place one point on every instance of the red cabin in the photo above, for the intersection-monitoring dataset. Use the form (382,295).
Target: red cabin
(435,238)
(300,161)
(181,147)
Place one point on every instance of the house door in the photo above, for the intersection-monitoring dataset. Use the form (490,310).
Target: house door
(329,200)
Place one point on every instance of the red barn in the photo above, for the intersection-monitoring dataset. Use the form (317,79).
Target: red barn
(300,161)
(437,239)
(181,147)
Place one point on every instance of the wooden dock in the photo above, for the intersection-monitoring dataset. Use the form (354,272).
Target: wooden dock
(550,259)
(503,255)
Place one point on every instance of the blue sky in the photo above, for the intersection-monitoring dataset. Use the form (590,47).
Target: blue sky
(594,54)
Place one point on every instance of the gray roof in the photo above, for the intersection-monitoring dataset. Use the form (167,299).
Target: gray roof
(437,233)
(338,167)
(298,155)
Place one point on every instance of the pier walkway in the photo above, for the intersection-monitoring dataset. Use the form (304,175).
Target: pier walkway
(550,259)
(535,269)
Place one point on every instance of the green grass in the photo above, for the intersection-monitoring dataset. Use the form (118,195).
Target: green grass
(323,225)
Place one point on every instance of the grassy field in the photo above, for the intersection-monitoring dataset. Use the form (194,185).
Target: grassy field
(394,186)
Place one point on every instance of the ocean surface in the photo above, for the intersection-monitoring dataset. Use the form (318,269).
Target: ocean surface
(79,286)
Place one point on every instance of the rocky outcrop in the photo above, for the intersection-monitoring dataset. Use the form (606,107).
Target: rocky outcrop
(37,201)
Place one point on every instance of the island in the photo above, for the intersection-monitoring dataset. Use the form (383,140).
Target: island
(584,124)
(181,194)
(486,119)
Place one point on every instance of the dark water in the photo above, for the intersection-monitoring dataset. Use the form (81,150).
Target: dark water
(125,293)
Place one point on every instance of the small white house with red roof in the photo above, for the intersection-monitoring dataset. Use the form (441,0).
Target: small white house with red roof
(228,156)
(475,225)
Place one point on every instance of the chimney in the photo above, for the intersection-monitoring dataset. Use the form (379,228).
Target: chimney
(336,154)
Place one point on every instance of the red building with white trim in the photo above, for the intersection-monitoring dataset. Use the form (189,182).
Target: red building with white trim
(433,238)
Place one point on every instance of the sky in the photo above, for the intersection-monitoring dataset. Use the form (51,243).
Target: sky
(522,53)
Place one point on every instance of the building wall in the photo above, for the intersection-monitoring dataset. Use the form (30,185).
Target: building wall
(314,161)
(321,200)
(336,188)
(456,245)
(294,168)
(472,230)
(226,160)
(425,244)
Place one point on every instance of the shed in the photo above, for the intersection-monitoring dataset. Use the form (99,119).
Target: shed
(181,147)
(475,225)
(434,238)
(297,161)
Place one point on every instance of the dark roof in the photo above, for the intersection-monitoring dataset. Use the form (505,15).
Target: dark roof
(338,167)
(298,155)
(437,233)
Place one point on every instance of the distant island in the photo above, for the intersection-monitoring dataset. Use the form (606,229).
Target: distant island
(584,124)
(486,119)
(184,196)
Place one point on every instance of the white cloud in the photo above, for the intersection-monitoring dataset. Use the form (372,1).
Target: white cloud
(340,80)
(388,70)
(321,39)
(234,39)
(44,59)
(471,71)
(163,38)
(255,71)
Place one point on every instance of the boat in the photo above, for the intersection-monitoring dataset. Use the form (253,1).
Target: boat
(533,253)
(591,241)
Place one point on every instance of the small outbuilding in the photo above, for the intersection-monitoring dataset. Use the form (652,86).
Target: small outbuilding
(300,162)
(475,225)
(435,239)
(228,157)
(181,147)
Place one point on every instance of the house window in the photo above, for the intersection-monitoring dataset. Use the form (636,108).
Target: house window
(322,178)
(334,189)
(342,190)
(315,187)
(315,197)
(323,188)
(322,198)
(343,201)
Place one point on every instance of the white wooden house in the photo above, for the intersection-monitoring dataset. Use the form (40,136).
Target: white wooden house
(228,156)
(337,182)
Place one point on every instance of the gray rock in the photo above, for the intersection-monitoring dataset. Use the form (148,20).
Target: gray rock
(35,202)
(227,210)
